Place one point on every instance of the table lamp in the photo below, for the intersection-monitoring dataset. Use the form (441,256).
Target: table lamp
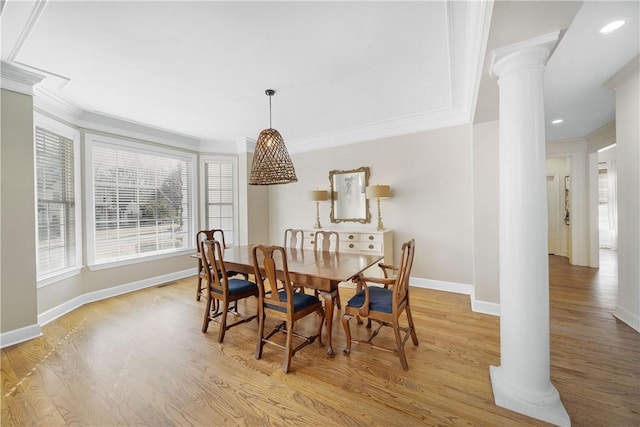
(318,196)
(379,192)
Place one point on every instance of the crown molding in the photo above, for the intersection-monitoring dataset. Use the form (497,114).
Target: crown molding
(102,122)
(622,75)
(17,79)
(402,126)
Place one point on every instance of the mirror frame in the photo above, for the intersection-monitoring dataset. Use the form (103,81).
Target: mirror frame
(335,195)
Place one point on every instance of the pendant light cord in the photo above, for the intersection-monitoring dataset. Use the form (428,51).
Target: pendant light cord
(270,112)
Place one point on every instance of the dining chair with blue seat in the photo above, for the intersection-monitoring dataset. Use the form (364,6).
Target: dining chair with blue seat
(223,290)
(383,300)
(277,299)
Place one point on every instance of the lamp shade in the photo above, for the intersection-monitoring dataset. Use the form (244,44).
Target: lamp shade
(318,195)
(271,161)
(378,192)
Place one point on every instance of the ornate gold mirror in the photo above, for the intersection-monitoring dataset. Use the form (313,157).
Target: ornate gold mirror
(348,195)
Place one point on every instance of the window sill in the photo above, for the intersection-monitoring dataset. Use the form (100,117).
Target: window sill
(139,260)
(58,276)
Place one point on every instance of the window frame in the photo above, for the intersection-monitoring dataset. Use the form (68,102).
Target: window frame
(140,147)
(66,131)
(233,161)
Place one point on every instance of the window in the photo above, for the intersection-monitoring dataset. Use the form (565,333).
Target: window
(140,200)
(57,186)
(220,196)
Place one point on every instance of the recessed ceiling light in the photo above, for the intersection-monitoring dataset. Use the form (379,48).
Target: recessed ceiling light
(611,27)
(557,121)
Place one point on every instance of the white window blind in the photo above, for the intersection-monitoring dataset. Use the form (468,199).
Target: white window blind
(57,248)
(219,200)
(142,203)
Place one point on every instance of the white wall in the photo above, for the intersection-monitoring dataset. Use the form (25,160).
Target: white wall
(431,181)
(627,87)
(486,247)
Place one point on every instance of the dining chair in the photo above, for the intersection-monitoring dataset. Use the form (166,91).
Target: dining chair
(384,304)
(201,236)
(293,238)
(327,241)
(277,299)
(222,290)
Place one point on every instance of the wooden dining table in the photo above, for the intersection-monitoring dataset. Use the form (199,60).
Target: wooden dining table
(319,270)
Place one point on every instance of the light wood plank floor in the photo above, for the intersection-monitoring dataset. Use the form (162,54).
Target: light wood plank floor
(140,359)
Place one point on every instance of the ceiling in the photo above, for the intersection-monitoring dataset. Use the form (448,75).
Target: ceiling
(343,71)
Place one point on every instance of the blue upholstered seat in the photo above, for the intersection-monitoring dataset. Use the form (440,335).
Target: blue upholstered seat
(300,301)
(239,285)
(379,299)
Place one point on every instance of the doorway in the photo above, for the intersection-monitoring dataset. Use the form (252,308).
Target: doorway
(558,205)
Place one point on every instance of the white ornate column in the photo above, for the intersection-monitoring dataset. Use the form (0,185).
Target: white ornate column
(522,382)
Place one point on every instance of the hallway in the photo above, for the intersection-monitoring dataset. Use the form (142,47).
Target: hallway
(588,344)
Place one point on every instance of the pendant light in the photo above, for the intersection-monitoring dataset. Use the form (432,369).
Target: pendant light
(271,161)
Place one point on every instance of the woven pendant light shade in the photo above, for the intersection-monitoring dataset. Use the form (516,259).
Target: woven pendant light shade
(271,161)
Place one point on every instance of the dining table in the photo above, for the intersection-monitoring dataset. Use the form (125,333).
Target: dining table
(319,270)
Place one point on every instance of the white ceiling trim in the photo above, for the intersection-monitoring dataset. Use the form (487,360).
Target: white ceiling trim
(404,126)
(29,25)
(17,79)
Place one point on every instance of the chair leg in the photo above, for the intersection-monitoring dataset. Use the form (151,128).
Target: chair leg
(207,313)
(322,315)
(260,334)
(223,320)
(288,349)
(347,332)
(414,337)
(199,288)
(400,346)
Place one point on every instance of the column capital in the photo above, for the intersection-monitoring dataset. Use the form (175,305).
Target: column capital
(17,79)
(533,51)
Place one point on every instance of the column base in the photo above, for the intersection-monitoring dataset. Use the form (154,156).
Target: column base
(547,407)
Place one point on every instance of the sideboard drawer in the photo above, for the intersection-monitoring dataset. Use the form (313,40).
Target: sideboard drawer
(350,247)
(367,237)
(371,247)
(349,237)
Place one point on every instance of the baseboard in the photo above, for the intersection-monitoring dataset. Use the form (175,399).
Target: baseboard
(81,300)
(17,336)
(627,317)
(439,285)
(483,307)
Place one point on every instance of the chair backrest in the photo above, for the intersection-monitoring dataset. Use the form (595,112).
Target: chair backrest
(401,286)
(293,238)
(274,260)
(211,252)
(213,234)
(326,241)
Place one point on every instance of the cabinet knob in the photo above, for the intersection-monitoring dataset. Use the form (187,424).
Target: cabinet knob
(370,246)
(312,242)
(351,245)
(350,236)
(371,237)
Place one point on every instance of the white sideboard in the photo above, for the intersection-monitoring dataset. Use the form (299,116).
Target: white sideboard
(361,241)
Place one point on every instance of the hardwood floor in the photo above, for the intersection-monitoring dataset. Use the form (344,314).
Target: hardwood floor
(140,359)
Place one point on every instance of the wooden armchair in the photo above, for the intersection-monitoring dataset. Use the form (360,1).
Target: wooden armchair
(384,305)
(222,290)
(278,300)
